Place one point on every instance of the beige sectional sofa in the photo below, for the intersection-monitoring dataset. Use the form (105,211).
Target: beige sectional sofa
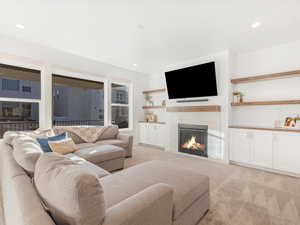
(153,193)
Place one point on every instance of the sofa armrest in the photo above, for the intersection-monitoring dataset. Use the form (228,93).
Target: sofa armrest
(152,206)
(128,139)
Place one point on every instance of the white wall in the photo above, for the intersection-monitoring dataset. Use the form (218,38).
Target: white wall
(217,122)
(48,60)
(271,60)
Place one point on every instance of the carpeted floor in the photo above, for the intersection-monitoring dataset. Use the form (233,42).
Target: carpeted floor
(239,196)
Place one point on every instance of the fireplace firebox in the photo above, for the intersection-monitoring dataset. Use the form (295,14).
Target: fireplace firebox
(192,139)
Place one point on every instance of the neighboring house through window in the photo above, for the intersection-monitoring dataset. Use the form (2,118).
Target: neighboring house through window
(119,105)
(77,101)
(10,85)
(26,89)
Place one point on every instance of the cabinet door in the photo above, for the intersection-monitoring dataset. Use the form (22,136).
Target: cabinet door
(150,135)
(143,133)
(240,147)
(286,151)
(160,135)
(262,149)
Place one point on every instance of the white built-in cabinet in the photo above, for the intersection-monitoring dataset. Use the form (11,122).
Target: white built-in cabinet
(262,148)
(268,149)
(287,151)
(240,149)
(152,134)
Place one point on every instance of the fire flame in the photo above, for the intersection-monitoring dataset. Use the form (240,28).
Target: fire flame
(193,144)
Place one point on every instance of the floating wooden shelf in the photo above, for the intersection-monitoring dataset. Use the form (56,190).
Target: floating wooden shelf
(208,108)
(152,122)
(153,107)
(154,91)
(278,102)
(265,77)
(266,128)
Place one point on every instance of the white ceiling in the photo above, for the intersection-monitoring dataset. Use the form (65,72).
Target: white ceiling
(151,33)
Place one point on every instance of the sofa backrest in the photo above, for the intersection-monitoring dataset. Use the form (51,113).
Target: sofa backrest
(26,151)
(61,129)
(108,132)
(21,202)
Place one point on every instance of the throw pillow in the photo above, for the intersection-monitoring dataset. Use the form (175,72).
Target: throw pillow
(44,141)
(63,147)
(72,192)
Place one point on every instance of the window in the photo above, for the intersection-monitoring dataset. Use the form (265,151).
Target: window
(10,85)
(119,105)
(26,89)
(77,101)
(18,116)
(19,110)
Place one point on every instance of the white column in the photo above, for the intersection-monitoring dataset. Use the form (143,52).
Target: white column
(107,102)
(46,98)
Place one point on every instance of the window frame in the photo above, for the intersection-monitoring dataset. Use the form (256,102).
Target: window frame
(27,65)
(129,105)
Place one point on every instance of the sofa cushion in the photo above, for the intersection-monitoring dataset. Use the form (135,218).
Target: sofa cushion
(84,145)
(24,205)
(9,136)
(101,153)
(95,169)
(26,151)
(116,142)
(110,132)
(72,192)
(188,185)
(44,141)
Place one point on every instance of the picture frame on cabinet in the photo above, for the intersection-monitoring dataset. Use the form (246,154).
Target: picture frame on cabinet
(290,122)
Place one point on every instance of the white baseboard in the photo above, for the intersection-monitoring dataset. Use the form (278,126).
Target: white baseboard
(266,169)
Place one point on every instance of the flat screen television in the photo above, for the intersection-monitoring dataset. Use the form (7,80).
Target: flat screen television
(194,81)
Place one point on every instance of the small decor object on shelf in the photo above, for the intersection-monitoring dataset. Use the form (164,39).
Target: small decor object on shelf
(297,120)
(278,124)
(290,122)
(237,97)
(151,117)
(241,98)
(163,103)
(148,99)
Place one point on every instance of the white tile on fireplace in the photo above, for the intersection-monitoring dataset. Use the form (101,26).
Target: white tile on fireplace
(214,147)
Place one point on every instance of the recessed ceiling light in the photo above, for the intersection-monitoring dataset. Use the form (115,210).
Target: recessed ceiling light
(256,25)
(135,64)
(20,26)
(140,26)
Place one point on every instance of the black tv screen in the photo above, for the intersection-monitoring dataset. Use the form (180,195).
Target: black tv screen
(194,81)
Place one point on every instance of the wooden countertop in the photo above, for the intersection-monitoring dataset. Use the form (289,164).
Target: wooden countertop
(152,122)
(266,128)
